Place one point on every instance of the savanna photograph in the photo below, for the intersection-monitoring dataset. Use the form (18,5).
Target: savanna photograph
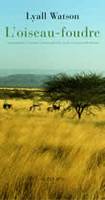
(52,139)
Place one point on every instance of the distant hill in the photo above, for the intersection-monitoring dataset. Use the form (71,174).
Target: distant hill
(24,80)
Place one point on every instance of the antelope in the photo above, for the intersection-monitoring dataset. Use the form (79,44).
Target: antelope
(34,106)
(7,106)
(53,107)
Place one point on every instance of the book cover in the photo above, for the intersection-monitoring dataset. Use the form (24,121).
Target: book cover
(52,100)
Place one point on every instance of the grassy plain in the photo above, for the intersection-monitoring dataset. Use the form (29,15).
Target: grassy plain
(44,156)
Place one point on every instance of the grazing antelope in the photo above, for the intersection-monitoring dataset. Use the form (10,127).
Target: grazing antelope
(7,106)
(53,107)
(34,106)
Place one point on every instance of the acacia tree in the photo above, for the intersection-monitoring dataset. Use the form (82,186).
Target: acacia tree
(81,90)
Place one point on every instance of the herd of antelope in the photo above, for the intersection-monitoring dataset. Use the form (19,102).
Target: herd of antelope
(53,107)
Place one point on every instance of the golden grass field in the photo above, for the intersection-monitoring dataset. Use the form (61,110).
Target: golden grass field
(44,156)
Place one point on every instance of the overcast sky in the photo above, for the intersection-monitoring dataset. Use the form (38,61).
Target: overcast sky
(52,57)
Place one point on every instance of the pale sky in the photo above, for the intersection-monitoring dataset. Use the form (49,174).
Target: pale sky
(52,57)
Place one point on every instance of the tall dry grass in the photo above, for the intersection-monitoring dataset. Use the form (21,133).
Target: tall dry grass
(44,156)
